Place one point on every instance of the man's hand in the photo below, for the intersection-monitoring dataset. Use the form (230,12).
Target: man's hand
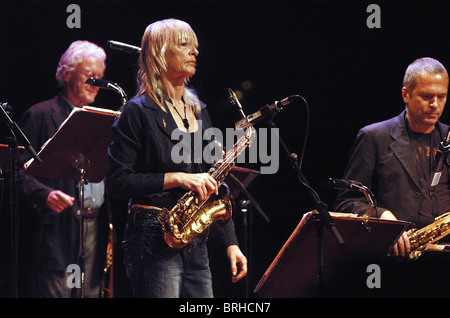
(403,246)
(58,201)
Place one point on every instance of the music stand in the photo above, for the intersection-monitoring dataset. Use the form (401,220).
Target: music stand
(294,271)
(78,151)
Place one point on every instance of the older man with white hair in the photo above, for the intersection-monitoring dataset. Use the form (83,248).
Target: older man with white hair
(50,211)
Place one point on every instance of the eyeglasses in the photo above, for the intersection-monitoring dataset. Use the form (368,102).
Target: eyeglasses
(91,74)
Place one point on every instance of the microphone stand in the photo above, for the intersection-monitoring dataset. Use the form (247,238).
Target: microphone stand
(249,197)
(14,210)
(324,216)
(14,190)
(246,206)
(247,217)
(121,92)
(82,164)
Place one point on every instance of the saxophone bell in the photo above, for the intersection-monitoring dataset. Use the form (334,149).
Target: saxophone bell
(180,234)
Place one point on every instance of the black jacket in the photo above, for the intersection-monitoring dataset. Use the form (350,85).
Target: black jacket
(49,240)
(382,159)
(141,154)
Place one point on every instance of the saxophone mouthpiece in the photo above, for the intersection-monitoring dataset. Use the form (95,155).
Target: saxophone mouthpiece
(235,101)
(232,96)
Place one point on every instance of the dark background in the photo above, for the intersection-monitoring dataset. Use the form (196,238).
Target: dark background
(350,75)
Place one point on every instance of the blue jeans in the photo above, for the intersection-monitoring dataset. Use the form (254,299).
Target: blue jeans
(157,270)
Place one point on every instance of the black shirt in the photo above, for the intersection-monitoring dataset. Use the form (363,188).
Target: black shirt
(425,148)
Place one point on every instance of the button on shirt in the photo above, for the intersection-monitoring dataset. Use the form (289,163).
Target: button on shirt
(94,195)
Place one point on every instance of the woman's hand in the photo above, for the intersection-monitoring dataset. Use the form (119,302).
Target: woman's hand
(202,183)
(238,263)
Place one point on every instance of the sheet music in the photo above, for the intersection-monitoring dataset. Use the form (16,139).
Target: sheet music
(69,142)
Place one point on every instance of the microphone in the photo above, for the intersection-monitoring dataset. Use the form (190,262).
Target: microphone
(102,83)
(98,82)
(353,185)
(343,184)
(116,45)
(264,111)
(6,107)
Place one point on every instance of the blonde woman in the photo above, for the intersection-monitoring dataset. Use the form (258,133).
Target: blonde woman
(142,168)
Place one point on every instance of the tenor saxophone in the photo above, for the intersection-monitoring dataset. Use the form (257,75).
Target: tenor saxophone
(191,216)
(420,238)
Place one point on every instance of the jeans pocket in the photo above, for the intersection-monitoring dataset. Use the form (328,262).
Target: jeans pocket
(154,241)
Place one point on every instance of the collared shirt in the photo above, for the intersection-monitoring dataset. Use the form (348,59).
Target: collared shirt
(94,195)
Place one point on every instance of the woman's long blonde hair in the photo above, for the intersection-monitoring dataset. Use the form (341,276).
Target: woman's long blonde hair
(157,38)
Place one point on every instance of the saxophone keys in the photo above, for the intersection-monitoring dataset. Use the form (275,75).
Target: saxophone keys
(423,239)
(444,227)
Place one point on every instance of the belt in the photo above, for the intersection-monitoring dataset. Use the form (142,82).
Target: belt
(141,211)
(143,206)
(89,213)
